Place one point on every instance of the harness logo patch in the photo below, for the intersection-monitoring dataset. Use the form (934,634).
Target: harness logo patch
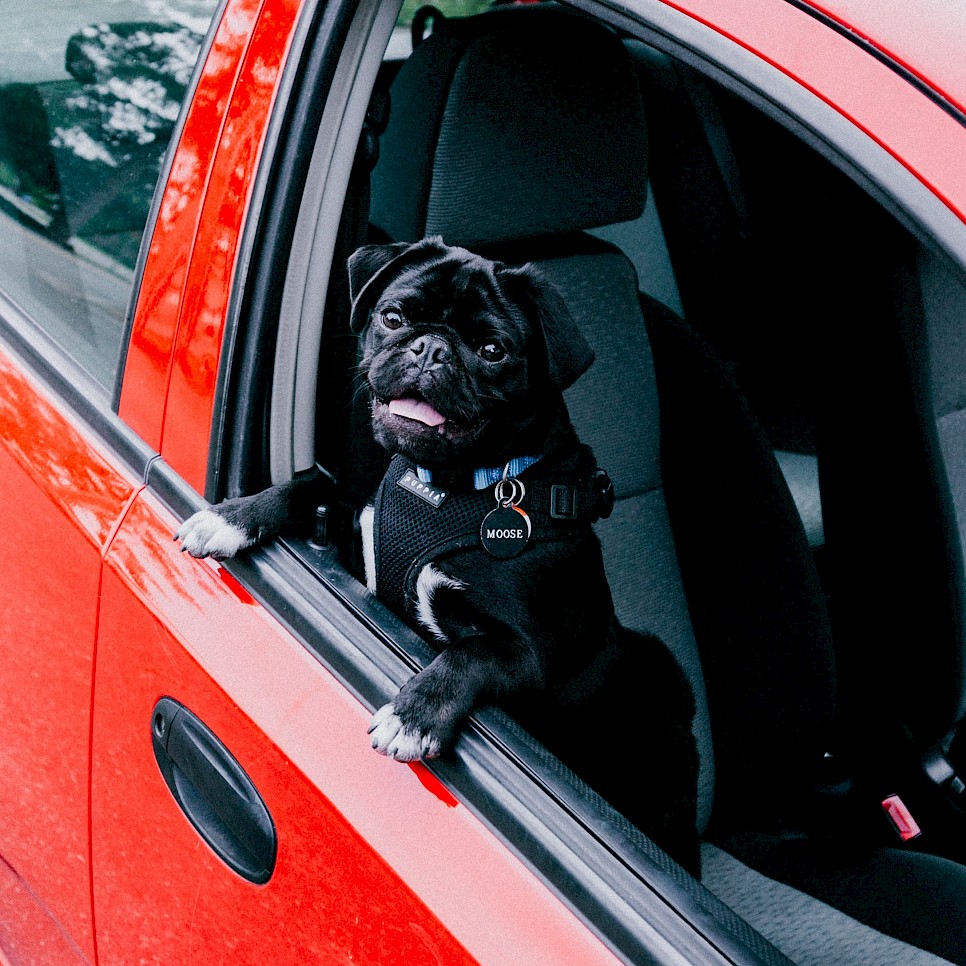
(432,495)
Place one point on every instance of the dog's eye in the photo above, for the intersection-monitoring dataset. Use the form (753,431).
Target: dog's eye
(492,352)
(392,319)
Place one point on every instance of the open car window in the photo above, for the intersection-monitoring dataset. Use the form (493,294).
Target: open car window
(783,252)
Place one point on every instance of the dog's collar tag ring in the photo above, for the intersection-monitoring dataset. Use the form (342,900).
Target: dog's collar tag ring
(506,530)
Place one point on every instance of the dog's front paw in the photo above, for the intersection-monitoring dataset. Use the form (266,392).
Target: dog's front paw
(208,534)
(396,740)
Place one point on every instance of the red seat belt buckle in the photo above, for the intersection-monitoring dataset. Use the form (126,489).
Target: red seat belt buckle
(902,821)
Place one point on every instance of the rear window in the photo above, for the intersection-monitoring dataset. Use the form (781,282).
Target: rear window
(90,92)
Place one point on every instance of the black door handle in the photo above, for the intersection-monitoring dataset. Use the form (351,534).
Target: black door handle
(213,791)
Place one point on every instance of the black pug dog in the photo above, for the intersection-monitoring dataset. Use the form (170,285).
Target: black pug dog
(480,534)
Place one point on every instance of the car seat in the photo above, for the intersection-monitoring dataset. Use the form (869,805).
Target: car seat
(890,475)
(943,300)
(811,361)
(514,133)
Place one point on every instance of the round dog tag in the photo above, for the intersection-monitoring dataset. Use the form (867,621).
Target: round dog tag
(505,531)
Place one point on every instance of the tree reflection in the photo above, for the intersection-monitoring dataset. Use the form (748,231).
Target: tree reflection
(79,158)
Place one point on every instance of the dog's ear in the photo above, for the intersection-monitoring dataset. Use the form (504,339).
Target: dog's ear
(373,267)
(569,355)
(366,261)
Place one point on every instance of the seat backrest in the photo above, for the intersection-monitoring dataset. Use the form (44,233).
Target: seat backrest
(944,308)
(491,140)
(891,480)
(500,97)
(513,133)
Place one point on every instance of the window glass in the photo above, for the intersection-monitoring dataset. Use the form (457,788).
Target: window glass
(416,15)
(448,8)
(90,92)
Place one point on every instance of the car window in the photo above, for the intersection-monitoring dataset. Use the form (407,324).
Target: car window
(718,228)
(416,17)
(90,93)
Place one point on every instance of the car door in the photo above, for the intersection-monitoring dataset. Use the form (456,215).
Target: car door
(185,773)
(64,497)
(292,580)
(238,813)
(89,94)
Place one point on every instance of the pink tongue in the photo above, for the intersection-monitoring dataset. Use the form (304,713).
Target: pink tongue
(417,409)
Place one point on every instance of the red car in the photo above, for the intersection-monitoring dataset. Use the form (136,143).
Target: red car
(185,775)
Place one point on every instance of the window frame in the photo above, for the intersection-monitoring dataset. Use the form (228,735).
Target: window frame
(566,834)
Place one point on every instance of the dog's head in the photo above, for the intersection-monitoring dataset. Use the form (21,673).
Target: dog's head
(461,355)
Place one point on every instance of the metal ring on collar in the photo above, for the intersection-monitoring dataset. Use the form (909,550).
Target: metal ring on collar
(513,499)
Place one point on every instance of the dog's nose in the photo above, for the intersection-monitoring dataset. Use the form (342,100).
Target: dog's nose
(430,349)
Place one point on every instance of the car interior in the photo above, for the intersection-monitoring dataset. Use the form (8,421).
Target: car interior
(778,396)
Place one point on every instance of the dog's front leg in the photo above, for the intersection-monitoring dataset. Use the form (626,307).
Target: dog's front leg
(424,718)
(224,530)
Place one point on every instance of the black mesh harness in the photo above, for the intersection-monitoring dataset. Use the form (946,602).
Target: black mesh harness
(415,523)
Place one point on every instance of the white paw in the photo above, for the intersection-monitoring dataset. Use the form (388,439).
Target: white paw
(208,534)
(391,738)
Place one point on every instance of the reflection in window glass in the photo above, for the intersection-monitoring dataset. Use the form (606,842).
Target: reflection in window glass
(90,91)
(400,46)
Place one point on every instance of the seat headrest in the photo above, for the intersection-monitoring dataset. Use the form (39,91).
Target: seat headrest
(515,124)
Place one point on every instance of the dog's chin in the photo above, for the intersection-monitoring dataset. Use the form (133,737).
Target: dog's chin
(429,443)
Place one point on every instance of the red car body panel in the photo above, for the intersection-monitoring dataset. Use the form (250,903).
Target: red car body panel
(912,128)
(194,366)
(26,926)
(924,36)
(372,867)
(63,500)
(161,298)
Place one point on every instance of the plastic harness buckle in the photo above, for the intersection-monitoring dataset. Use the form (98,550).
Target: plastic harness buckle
(568,502)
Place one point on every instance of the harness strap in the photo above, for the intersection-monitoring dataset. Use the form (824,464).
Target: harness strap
(413,527)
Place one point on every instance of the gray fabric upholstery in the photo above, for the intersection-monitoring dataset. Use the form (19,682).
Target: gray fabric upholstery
(801,474)
(642,241)
(614,408)
(614,404)
(952,440)
(643,574)
(524,145)
(944,306)
(806,930)
(913,896)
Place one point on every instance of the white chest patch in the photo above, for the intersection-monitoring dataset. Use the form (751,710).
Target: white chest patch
(366,524)
(429,581)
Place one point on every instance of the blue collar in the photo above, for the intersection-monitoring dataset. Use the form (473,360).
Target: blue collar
(487,476)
